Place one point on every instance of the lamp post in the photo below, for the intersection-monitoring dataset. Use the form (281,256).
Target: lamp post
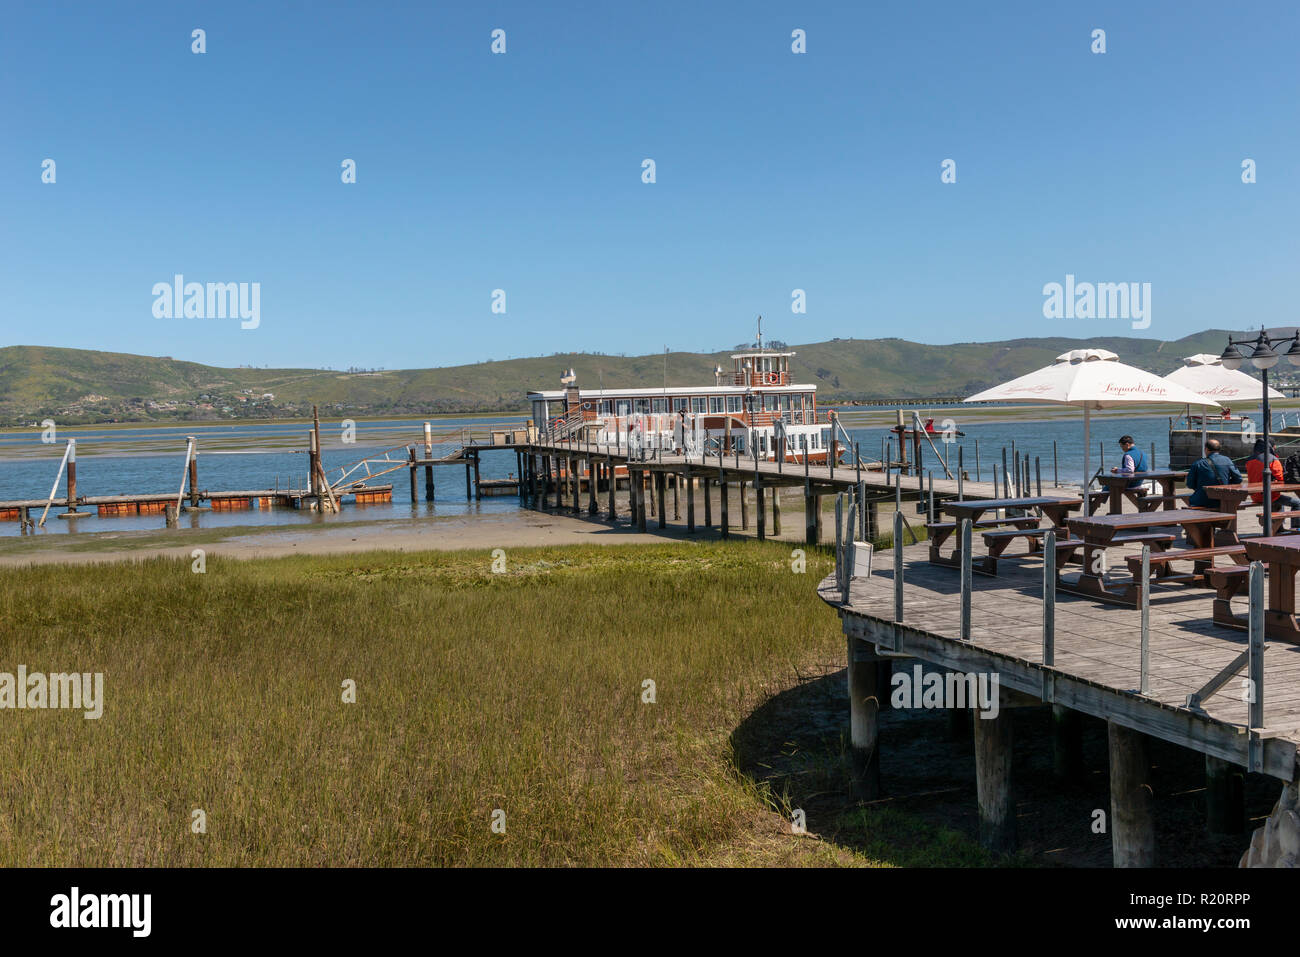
(1263,357)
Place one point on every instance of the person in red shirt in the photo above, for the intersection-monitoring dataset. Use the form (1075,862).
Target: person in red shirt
(1255,476)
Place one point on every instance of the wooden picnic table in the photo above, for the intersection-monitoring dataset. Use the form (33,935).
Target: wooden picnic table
(1282,555)
(1102,531)
(1232,498)
(1117,484)
(1054,510)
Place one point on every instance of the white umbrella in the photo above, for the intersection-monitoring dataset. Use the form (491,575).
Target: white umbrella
(1092,379)
(1206,375)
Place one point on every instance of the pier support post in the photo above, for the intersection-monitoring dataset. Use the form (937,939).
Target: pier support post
(865,696)
(575,483)
(661,480)
(708,503)
(1132,831)
(640,501)
(817,513)
(194,478)
(1225,800)
(776,511)
(744,507)
(762,510)
(593,472)
(997,809)
(873,522)
(1067,744)
(690,503)
(478,484)
(428,480)
(724,522)
(414,498)
(468,492)
(809,515)
(677,488)
(613,487)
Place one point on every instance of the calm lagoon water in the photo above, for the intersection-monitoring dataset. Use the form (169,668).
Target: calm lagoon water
(258,455)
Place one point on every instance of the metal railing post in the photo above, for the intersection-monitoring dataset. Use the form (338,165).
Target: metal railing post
(898,568)
(966,560)
(1144,674)
(1255,668)
(1049,598)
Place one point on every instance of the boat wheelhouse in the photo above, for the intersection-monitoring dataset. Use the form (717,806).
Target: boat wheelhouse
(755,410)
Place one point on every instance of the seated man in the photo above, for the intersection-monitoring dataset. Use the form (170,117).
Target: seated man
(1133,460)
(1214,469)
(1255,473)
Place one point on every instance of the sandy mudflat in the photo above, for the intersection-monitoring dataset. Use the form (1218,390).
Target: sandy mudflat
(522,529)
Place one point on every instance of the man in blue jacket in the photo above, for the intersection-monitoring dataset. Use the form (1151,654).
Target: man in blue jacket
(1132,461)
(1215,469)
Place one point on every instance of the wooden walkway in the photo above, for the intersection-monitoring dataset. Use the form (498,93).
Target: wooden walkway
(1097,650)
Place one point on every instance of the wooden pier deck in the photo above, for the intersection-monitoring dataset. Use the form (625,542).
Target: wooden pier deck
(562,473)
(1095,671)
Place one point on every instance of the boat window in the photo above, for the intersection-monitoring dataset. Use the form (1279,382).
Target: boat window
(715,403)
(733,403)
(624,406)
(679,404)
(660,405)
(643,406)
(697,403)
(605,407)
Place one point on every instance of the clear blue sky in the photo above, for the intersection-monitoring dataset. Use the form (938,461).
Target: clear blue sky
(522,172)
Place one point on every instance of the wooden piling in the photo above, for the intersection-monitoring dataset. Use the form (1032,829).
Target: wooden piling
(1133,837)
(865,695)
(661,480)
(724,521)
(744,507)
(1067,744)
(776,512)
(997,810)
(762,510)
(640,501)
(690,504)
(194,479)
(593,471)
(1225,796)
(809,514)
(708,503)
(613,487)
(411,450)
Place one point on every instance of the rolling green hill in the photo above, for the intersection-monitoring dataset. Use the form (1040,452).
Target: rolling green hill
(80,385)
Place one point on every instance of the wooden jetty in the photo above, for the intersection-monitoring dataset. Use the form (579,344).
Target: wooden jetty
(560,474)
(1163,670)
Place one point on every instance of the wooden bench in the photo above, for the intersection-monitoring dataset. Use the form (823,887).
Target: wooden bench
(997,543)
(1021,521)
(1227,581)
(1155,500)
(1157,540)
(1202,559)
(1279,519)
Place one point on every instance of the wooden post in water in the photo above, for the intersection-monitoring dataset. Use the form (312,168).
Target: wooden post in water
(414,499)
(708,503)
(593,480)
(194,473)
(744,507)
(1132,830)
(661,480)
(428,469)
(640,500)
(469,494)
(865,695)
(762,510)
(613,487)
(997,809)
(478,485)
(724,521)
(776,511)
(690,503)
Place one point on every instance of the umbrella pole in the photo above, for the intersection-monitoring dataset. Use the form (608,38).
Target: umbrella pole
(1087,464)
